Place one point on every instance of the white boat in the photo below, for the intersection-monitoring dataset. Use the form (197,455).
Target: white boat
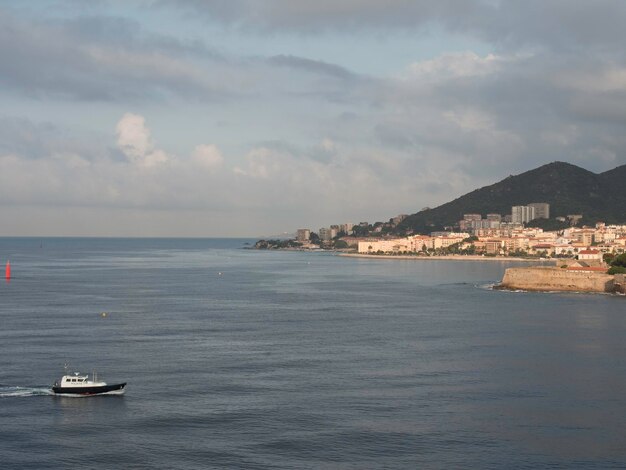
(78,384)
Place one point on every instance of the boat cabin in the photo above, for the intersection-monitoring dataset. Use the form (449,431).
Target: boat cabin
(76,379)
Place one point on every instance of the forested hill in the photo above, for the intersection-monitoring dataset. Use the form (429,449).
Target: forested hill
(568,189)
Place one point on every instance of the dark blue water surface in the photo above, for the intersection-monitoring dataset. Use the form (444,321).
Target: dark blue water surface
(247,359)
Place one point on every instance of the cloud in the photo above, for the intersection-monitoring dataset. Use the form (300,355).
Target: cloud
(552,24)
(104,59)
(314,66)
(147,177)
(22,136)
(325,15)
(306,133)
(455,65)
(208,157)
(133,139)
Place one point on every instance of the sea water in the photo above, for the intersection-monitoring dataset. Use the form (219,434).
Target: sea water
(240,358)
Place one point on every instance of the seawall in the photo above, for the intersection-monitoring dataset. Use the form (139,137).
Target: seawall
(557,279)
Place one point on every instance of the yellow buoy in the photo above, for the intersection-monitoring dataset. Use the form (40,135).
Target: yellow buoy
(103,314)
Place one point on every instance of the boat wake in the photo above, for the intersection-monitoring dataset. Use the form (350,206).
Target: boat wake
(489,286)
(21,392)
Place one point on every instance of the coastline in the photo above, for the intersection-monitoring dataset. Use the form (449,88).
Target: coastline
(445,258)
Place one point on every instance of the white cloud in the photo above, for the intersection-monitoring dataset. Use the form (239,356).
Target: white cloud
(328,145)
(134,140)
(601,79)
(208,157)
(133,137)
(471,119)
(454,65)
(262,162)
(66,177)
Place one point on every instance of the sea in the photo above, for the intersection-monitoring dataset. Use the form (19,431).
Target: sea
(239,358)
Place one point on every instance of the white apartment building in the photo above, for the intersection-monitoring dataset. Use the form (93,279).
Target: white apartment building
(303,234)
(542,210)
(522,214)
(325,234)
(346,228)
(397,245)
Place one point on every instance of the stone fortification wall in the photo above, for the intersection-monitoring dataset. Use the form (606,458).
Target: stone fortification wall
(557,279)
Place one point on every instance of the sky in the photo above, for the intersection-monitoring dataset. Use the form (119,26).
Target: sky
(249,118)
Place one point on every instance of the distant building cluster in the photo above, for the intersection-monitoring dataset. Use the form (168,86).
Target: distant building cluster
(519,215)
(325,235)
(493,235)
(412,244)
(584,243)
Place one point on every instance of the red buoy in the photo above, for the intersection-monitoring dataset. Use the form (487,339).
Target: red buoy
(7,271)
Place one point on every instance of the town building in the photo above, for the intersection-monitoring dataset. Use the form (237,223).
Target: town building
(303,235)
(542,210)
(325,234)
(522,214)
(346,228)
(585,255)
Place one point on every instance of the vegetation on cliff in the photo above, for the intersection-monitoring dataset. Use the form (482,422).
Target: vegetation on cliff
(618,264)
(276,244)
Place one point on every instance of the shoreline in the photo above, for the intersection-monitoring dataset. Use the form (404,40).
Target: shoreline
(446,258)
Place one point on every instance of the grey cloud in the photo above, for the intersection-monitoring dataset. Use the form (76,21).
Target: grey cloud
(116,31)
(103,59)
(325,15)
(429,137)
(527,112)
(554,24)
(476,128)
(393,136)
(318,153)
(22,137)
(38,140)
(313,66)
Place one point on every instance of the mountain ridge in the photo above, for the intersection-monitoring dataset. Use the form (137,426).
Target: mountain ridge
(569,189)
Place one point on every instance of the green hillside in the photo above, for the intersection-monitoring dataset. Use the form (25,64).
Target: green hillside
(568,189)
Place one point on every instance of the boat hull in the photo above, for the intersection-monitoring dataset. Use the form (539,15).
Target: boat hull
(85,391)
